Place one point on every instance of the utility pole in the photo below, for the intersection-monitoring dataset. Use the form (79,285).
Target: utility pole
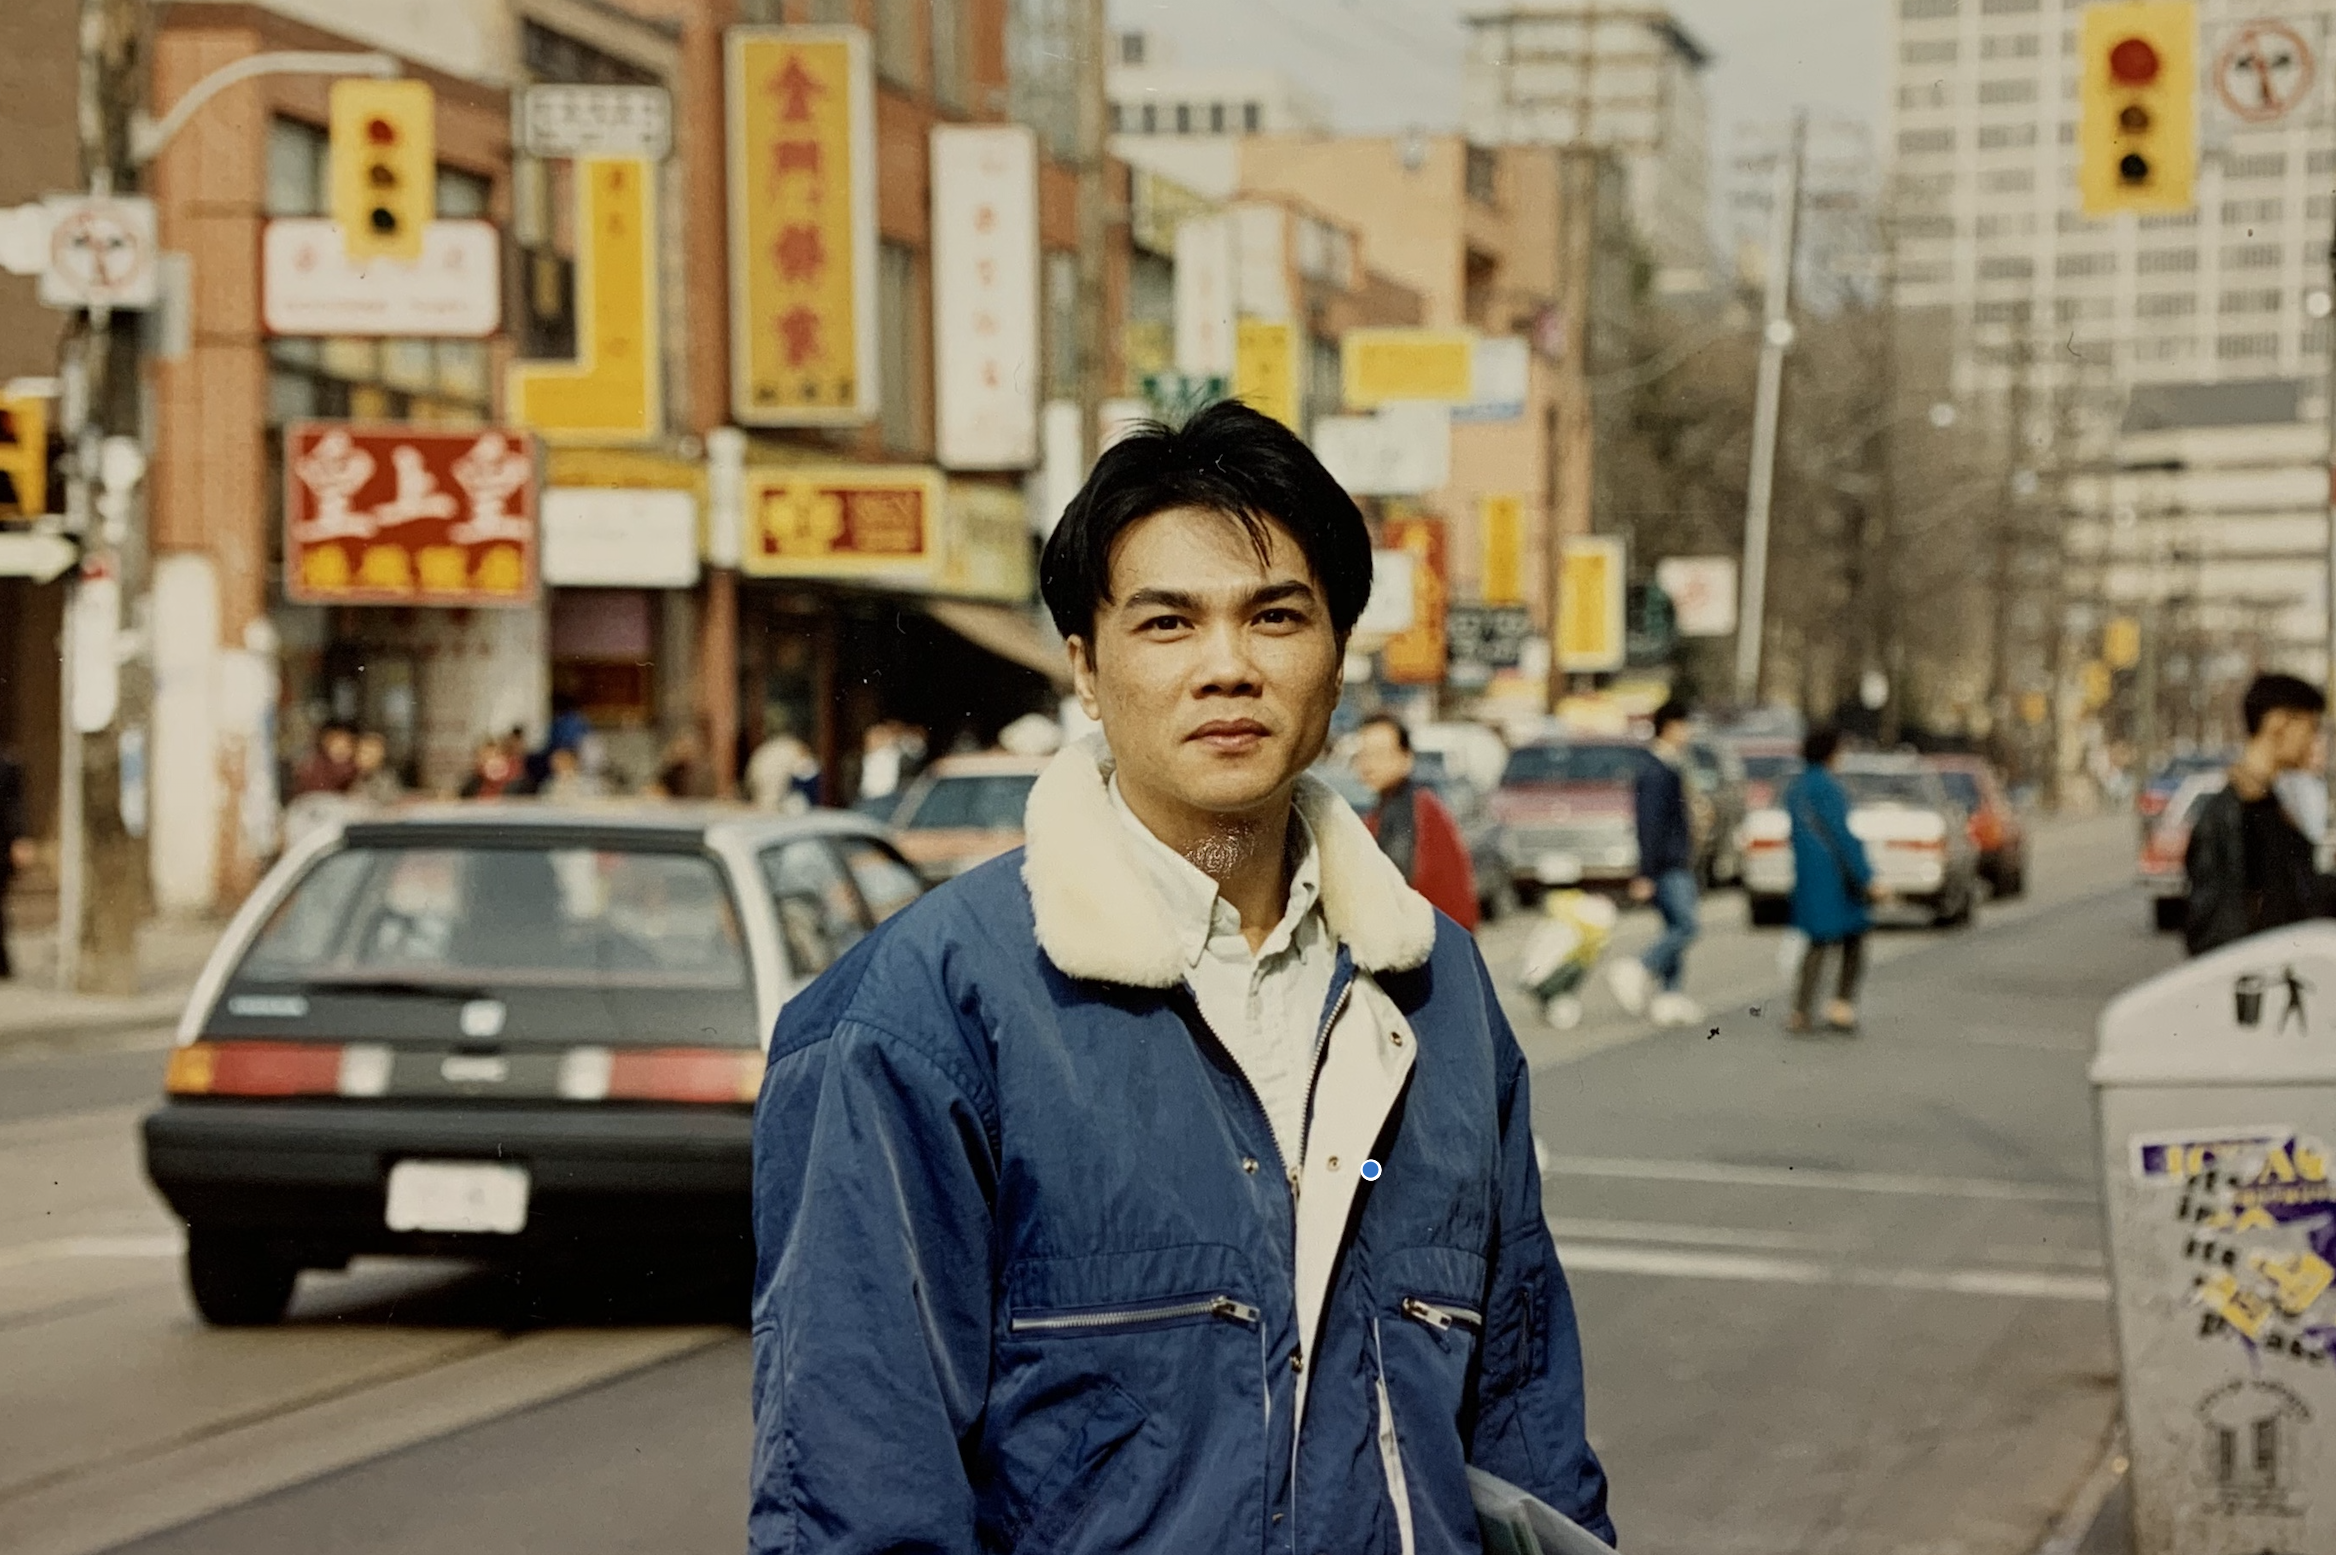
(1572,433)
(1776,338)
(103,892)
(1879,636)
(2019,486)
(1089,45)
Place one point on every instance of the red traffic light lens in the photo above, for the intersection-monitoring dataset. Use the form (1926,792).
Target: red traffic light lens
(2134,62)
(383,133)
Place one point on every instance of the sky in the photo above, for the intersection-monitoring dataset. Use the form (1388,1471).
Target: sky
(1394,64)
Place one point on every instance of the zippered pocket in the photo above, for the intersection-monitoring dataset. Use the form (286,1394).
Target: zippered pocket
(1223,1308)
(1439,1316)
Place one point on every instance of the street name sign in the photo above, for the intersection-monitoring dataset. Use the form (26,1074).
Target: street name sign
(561,121)
(310,286)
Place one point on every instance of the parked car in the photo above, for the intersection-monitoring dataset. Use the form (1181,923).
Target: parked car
(1768,766)
(1997,830)
(1473,751)
(1715,800)
(2157,794)
(1569,814)
(2165,848)
(501,1031)
(965,810)
(1916,837)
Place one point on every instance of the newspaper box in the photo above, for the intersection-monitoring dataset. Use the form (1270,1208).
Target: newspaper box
(2216,1086)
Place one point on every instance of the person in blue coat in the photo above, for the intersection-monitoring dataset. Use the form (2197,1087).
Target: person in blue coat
(1168,1184)
(1833,884)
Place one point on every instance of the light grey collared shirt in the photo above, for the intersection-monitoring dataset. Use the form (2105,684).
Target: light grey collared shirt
(1265,1006)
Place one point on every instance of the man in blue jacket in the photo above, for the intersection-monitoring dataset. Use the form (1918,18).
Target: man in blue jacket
(1666,876)
(1168,1185)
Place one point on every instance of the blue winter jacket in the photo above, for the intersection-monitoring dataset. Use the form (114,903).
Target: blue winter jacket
(1823,907)
(1666,834)
(1032,1276)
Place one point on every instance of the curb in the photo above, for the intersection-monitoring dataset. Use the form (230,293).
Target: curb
(2099,1521)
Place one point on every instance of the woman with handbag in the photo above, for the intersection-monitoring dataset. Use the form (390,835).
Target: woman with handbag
(1833,884)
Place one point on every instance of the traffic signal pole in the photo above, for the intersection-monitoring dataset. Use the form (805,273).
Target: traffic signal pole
(1776,338)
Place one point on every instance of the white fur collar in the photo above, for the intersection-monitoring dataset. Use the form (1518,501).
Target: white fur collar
(1100,917)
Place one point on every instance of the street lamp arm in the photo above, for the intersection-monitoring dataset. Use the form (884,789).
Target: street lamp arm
(149,136)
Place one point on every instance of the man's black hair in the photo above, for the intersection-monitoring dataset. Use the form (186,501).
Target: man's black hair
(1818,745)
(2281,693)
(1227,459)
(1389,721)
(1671,712)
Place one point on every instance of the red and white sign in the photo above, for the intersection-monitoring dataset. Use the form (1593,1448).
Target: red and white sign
(101,252)
(394,515)
(1702,590)
(2264,71)
(985,295)
(309,286)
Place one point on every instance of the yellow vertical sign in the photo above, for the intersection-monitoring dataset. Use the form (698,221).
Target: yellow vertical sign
(1500,520)
(1266,373)
(802,227)
(2121,643)
(611,390)
(1590,605)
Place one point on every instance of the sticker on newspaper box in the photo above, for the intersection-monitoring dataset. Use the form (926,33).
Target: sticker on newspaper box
(2258,1219)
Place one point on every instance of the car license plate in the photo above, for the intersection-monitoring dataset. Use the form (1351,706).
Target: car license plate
(1558,869)
(457,1196)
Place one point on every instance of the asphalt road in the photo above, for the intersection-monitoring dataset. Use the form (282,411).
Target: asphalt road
(1838,1294)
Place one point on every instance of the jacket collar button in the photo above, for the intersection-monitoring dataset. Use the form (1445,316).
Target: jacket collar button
(1249,1164)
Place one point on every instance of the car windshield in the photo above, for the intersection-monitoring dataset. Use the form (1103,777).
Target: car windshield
(1917,789)
(990,801)
(1771,769)
(464,916)
(1571,764)
(1962,787)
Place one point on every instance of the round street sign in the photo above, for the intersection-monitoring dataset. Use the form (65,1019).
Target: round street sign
(2264,71)
(101,253)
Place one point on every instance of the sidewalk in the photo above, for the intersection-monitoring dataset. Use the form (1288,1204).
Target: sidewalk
(170,955)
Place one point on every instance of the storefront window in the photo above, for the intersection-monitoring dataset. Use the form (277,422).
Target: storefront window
(898,317)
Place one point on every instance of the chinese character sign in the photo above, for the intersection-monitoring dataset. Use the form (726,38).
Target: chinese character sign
(802,227)
(408,516)
(1416,657)
(879,523)
(610,392)
(985,295)
(1266,369)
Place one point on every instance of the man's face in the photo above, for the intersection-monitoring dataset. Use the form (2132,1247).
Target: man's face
(1213,674)
(2294,738)
(1380,759)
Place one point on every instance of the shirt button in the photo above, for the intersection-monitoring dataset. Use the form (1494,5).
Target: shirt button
(1249,1163)
(1333,1163)
(1396,1037)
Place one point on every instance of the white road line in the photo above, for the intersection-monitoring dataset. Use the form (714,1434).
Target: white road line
(1633,1169)
(1695,1236)
(167,1244)
(1669,1263)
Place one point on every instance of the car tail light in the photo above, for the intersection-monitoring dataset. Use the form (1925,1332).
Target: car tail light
(1921,844)
(255,1069)
(685,1074)
(1767,844)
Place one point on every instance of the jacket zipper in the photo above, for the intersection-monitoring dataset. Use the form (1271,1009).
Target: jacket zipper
(1207,1306)
(1314,1076)
(1439,1317)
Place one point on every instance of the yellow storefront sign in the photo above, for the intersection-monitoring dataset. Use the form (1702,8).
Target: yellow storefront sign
(867,523)
(610,392)
(1590,624)
(2121,643)
(1266,371)
(802,227)
(1379,365)
(1501,521)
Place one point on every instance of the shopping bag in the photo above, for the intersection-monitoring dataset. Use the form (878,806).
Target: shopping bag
(1514,1523)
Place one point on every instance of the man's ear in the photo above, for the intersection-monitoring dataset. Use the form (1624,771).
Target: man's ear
(1082,659)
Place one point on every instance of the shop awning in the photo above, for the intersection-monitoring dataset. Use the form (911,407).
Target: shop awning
(1010,634)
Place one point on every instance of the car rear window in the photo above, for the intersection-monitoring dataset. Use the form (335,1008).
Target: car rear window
(1962,787)
(988,802)
(1920,789)
(564,916)
(1572,764)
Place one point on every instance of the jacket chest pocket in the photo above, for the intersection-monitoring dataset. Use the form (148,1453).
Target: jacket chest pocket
(1430,1317)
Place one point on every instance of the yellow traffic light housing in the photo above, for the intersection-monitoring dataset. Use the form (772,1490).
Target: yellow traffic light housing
(24,455)
(385,166)
(2137,139)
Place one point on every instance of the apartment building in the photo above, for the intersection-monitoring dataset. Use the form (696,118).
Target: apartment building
(1627,80)
(1186,122)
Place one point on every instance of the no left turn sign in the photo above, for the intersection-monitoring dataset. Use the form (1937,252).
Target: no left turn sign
(2264,71)
(101,252)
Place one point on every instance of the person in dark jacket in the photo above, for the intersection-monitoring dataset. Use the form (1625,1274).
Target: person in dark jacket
(15,848)
(1169,1183)
(1833,885)
(1666,877)
(2251,867)
(1414,829)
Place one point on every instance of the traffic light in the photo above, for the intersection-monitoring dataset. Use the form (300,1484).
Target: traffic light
(2138,136)
(24,455)
(385,166)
